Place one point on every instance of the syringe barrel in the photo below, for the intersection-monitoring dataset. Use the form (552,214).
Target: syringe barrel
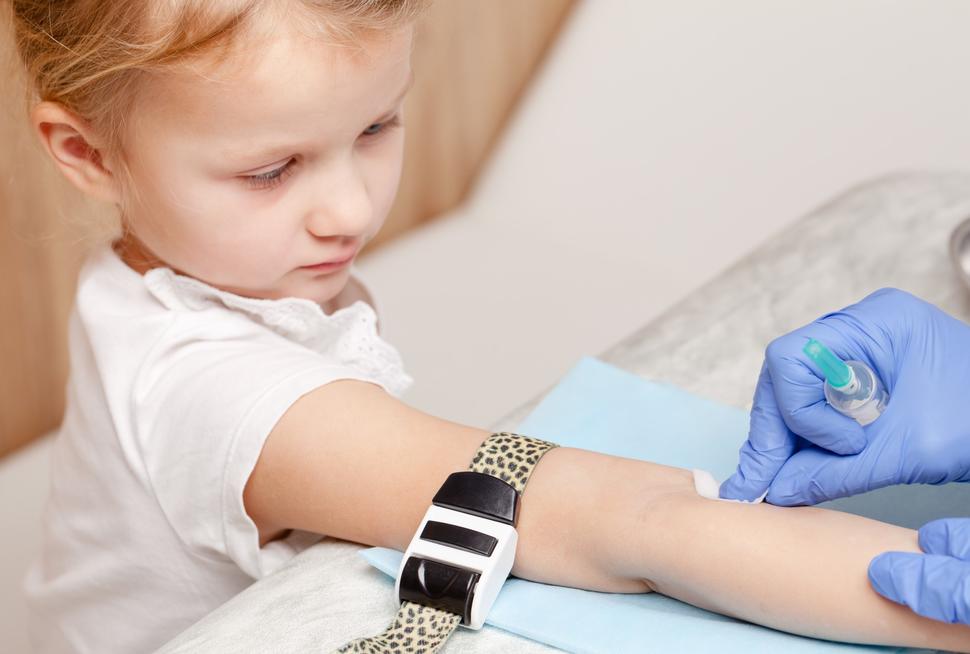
(867,398)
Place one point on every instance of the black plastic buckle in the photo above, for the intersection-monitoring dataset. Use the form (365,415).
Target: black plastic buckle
(439,585)
(479,494)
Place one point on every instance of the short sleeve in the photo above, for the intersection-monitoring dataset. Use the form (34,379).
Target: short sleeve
(205,402)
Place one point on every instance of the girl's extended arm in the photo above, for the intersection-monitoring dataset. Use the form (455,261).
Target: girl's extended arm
(352,462)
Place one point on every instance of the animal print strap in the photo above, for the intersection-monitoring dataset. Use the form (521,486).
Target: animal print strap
(415,629)
(510,457)
(421,629)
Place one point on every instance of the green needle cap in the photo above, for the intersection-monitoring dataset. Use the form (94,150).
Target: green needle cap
(836,372)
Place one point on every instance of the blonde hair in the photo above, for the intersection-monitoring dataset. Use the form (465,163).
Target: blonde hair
(91,55)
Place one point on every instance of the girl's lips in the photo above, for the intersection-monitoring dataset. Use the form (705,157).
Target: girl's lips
(330,265)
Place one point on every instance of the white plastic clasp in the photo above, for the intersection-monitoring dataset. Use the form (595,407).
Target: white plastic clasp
(493,570)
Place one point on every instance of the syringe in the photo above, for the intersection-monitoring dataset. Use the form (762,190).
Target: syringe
(851,387)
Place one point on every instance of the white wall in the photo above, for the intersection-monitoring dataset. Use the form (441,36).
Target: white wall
(663,141)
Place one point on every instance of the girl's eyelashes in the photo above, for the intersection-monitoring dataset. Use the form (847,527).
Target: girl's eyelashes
(276,177)
(377,128)
(272,178)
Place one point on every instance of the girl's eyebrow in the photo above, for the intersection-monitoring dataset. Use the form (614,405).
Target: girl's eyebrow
(404,91)
(400,96)
(267,152)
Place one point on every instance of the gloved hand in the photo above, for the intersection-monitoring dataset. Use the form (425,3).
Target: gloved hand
(935,584)
(803,451)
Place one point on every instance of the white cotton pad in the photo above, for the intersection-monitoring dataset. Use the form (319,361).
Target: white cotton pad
(707,486)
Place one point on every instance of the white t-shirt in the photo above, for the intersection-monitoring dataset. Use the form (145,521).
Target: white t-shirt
(174,387)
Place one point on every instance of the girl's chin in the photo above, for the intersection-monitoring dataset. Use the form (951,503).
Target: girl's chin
(317,288)
(320,289)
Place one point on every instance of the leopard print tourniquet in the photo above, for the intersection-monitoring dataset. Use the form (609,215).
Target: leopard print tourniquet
(415,629)
(510,457)
(420,629)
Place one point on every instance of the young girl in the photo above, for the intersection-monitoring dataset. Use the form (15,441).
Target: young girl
(230,399)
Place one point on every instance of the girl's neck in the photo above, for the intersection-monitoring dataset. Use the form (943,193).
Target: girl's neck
(135,255)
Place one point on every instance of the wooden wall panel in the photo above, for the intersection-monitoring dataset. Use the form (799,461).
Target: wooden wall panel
(44,225)
(472,60)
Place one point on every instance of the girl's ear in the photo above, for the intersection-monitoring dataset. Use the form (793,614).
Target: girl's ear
(73,147)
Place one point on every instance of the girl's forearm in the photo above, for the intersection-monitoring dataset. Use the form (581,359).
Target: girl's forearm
(802,570)
(580,521)
(623,525)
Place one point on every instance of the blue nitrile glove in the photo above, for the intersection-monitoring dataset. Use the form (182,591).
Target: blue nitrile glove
(935,584)
(803,451)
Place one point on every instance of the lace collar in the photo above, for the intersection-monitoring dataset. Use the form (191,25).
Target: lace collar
(348,335)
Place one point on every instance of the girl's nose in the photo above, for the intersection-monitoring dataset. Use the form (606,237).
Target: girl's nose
(341,205)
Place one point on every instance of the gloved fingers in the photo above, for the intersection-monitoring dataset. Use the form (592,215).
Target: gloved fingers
(947,537)
(769,445)
(822,425)
(931,585)
(814,475)
(888,324)
(799,391)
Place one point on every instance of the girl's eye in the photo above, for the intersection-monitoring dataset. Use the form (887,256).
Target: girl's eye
(377,128)
(271,179)
(275,177)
